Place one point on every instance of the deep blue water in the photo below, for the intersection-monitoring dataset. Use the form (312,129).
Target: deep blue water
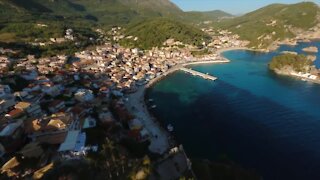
(258,119)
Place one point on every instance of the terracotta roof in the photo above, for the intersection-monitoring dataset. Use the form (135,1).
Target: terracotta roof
(51,125)
(39,173)
(15,113)
(12,163)
(22,105)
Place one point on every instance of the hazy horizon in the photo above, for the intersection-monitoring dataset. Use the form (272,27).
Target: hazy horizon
(231,6)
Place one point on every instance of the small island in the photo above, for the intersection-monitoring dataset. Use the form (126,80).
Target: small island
(311,49)
(295,65)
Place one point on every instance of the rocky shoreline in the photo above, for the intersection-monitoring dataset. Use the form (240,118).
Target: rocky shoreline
(303,77)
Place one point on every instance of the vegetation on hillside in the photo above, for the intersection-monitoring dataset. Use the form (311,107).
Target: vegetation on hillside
(273,22)
(40,20)
(154,32)
(298,63)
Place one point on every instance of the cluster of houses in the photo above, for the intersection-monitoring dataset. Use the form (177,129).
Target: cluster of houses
(48,118)
(68,36)
(47,105)
(224,39)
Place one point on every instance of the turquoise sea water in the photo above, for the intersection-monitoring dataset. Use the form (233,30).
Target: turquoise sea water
(261,120)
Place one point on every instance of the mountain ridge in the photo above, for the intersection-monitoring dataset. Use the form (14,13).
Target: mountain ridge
(274,22)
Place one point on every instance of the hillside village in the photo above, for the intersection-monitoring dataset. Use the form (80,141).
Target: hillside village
(74,109)
(72,91)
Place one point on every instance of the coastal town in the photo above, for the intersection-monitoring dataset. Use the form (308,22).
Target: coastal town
(88,110)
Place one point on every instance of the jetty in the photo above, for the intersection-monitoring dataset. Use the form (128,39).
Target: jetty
(196,73)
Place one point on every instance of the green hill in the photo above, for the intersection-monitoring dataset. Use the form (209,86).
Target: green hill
(298,63)
(153,32)
(104,11)
(18,18)
(146,19)
(273,22)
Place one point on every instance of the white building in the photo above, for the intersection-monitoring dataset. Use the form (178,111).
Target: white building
(84,95)
(75,141)
(32,109)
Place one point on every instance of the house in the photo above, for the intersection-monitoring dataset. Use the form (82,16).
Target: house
(40,127)
(84,95)
(9,168)
(6,98)
(75,141)
(6,103)
(29,75)
(4,90)
(41,172)
(11,130)
(54,139)
(56,106)
(11,136)
(32,109)
(51,90)
(89,122)
(16,114)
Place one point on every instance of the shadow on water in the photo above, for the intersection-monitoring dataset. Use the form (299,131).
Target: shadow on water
(253,131)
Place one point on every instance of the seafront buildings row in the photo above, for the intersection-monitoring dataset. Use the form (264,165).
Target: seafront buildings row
(65,109)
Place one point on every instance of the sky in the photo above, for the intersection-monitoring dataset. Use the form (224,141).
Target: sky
(235,7)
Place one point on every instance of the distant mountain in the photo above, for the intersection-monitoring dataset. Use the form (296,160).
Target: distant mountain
(196,16)
(273,22)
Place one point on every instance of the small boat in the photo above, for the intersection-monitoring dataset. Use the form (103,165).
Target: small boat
(154,106)
(150,100)
(170,128)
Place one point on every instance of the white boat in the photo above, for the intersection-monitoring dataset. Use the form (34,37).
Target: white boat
(154,106)
(170,128)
